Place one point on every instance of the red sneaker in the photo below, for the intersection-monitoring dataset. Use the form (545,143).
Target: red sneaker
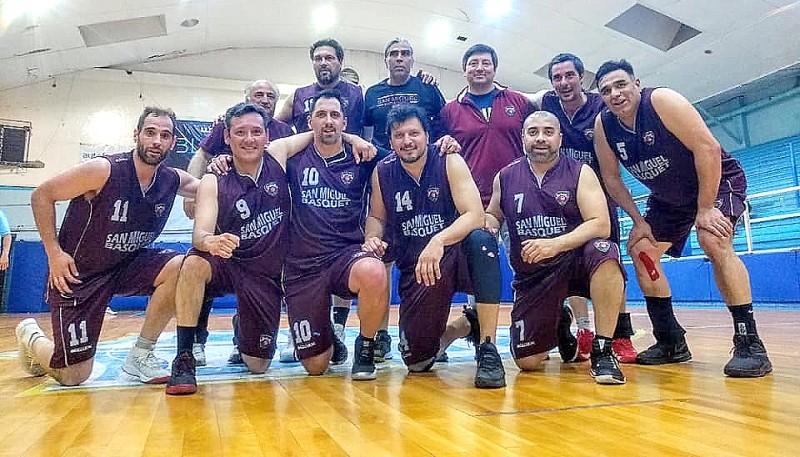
(585,338)
(624,350)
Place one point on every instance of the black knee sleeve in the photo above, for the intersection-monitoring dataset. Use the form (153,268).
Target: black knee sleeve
(484,266)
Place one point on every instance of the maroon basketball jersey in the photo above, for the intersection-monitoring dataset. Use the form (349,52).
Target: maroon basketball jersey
(578,130)
(654,156)
(329,196)
(120,220)
(415,210)
(257,211)
(353,108)
(539,210)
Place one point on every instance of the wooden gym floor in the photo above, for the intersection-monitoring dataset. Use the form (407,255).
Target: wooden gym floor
(687,409)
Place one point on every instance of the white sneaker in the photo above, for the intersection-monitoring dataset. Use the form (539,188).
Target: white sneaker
(288,354)
(27,332)
(199,353)
(143,364)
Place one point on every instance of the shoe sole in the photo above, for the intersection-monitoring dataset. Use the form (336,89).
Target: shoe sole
(748,373)
(33,368)
(145,379)
(608,379)
(663,361)
(490,384)
(364,376)
(182,389)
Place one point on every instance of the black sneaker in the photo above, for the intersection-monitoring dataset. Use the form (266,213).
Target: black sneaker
(442,358)
(363,360)
(236,357)
(749,358)
(474,335)
(490,373)
(383,346)
(182,381)
(665,352)
(339,352)
(605,366)
(567,343)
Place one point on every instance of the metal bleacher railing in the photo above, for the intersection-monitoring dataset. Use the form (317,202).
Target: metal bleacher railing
(771,223)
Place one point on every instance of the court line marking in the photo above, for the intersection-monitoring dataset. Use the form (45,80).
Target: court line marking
(579,407)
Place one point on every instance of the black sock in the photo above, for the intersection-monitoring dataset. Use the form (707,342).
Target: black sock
(624,327)
(340,315)
(665,325)
(185,338)
(743,321)
(201,335)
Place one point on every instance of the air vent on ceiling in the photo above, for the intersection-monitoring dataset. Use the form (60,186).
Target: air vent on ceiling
(651,27)
(125,30)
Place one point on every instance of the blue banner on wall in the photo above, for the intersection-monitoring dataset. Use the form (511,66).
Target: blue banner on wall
(190,134)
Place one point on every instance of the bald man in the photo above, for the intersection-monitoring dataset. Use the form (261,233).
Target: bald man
(558,223)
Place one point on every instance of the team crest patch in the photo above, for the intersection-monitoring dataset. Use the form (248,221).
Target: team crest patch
(433,194)
(264,341)
(511,110)
(271,188)
(347,177)
(562,197)
(589,134)
(602,245)
(649,138)
(159,209)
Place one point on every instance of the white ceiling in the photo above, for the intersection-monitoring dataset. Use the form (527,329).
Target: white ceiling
(748,38)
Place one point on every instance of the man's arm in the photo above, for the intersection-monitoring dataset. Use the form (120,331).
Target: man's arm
(609,169)
(536,98)
(468,203)
(5,251)
(198,163)
(286,110)
(494,213)
(205,222)
(188,185)
(683,121)
(376,221)
(594,212)
(84,179)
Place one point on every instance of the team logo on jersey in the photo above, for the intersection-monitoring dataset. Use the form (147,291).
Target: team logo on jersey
(602,245)
(589,134)
(348,177)
(511,110)
(159,209)
(649,138)
(433,194)
(264,341)
(271,188)
(562,197)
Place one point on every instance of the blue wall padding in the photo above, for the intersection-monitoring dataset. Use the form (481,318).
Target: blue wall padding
(775,278)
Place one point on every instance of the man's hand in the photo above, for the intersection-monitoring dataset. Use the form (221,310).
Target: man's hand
(220,165)
(3,261)
(63,272)
(375,245)
(427,78)
(448,145)
(539,249)
(639,232)
(712,220)
(188,207)
(427,271)
(222,245)
(363,150)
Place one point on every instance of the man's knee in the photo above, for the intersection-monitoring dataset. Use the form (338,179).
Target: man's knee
(195,269)
(318,364)
(532,362)
(714,247)
(368,273)
(74,375)
(169,272)
(484,265)
(256,365)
